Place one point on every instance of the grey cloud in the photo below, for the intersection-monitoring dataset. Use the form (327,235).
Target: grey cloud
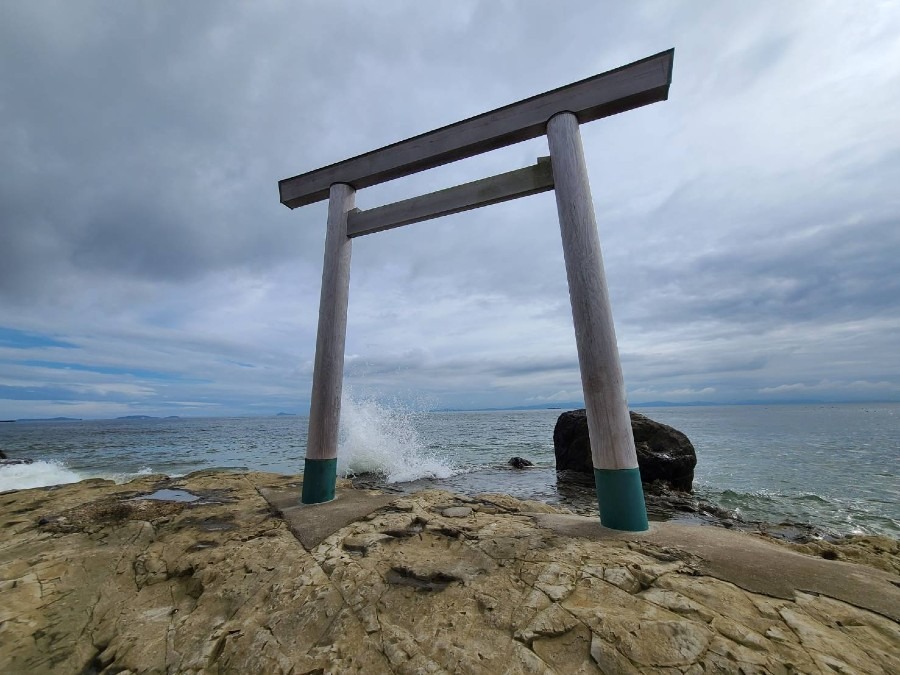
(749,223)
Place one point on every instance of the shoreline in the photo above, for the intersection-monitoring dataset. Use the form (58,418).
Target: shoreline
(805,466)
(571,491)
(97,578)
(575,493)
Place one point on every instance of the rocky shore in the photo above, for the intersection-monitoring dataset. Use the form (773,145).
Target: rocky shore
(225,573)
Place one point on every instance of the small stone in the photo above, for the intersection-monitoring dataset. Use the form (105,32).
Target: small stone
(457,512)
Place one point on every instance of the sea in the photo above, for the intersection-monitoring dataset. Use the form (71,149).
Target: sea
(833,467)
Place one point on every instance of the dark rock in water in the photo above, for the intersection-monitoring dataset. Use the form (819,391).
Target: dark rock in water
(664,454)
(2,455)
(519,462)
(11,462)
(571,443)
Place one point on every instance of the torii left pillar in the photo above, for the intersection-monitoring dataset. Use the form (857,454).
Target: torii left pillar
(320,467)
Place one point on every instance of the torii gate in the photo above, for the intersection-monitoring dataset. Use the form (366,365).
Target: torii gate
(557,114)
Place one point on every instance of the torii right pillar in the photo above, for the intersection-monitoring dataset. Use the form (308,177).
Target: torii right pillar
(617,478)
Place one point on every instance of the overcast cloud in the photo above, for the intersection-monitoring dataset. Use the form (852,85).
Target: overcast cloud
(749,224)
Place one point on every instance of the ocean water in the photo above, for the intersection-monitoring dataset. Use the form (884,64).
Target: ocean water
(832,466)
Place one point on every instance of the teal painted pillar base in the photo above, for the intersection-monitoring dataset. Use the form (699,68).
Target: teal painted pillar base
(319,477)
(621,499)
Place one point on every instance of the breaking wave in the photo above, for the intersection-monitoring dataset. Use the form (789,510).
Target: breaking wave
(37,474)
(383,441)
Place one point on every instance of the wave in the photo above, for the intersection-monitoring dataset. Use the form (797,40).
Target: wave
(381,440)
(37,474)
(833,515)
(125,476)
(42,473)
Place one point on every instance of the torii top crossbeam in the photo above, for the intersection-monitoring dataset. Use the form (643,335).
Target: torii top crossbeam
(615,91)
(557,114)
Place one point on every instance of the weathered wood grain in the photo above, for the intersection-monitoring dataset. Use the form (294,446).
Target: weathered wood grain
(503,187)
(631,86)
(328,371)
(609,426)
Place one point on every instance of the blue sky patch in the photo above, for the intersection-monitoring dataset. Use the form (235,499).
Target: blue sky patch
(104,370)
(19,339)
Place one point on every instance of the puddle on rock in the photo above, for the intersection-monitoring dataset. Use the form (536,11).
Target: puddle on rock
(166,495)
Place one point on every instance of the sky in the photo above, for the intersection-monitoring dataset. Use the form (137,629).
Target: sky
(749,224)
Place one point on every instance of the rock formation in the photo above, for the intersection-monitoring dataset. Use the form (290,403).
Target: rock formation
(519,462)
(664,453)
(6,461)
(96,578)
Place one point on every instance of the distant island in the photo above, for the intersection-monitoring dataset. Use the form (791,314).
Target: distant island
(49,419)
(286,415)
(147,417)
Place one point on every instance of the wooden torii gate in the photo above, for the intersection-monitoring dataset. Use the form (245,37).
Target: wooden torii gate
(557,114)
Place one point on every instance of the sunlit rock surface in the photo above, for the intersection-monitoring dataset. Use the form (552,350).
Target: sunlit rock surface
(94,580)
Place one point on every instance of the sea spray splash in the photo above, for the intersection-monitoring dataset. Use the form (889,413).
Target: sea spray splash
(36,474)
(120,477)
(383,440)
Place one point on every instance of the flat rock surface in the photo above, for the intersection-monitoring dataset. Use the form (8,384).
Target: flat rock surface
(95,579)
(725,555)
(312,523)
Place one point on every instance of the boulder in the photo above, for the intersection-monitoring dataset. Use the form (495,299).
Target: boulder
(519,462)
(664,453)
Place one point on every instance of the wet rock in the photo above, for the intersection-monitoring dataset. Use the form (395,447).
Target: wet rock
(873,550)
(664,454)
(519,462)
(12,462)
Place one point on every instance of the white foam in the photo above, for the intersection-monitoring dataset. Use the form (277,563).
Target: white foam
(383,440)
(41,474)
(37,474)
(120,478)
